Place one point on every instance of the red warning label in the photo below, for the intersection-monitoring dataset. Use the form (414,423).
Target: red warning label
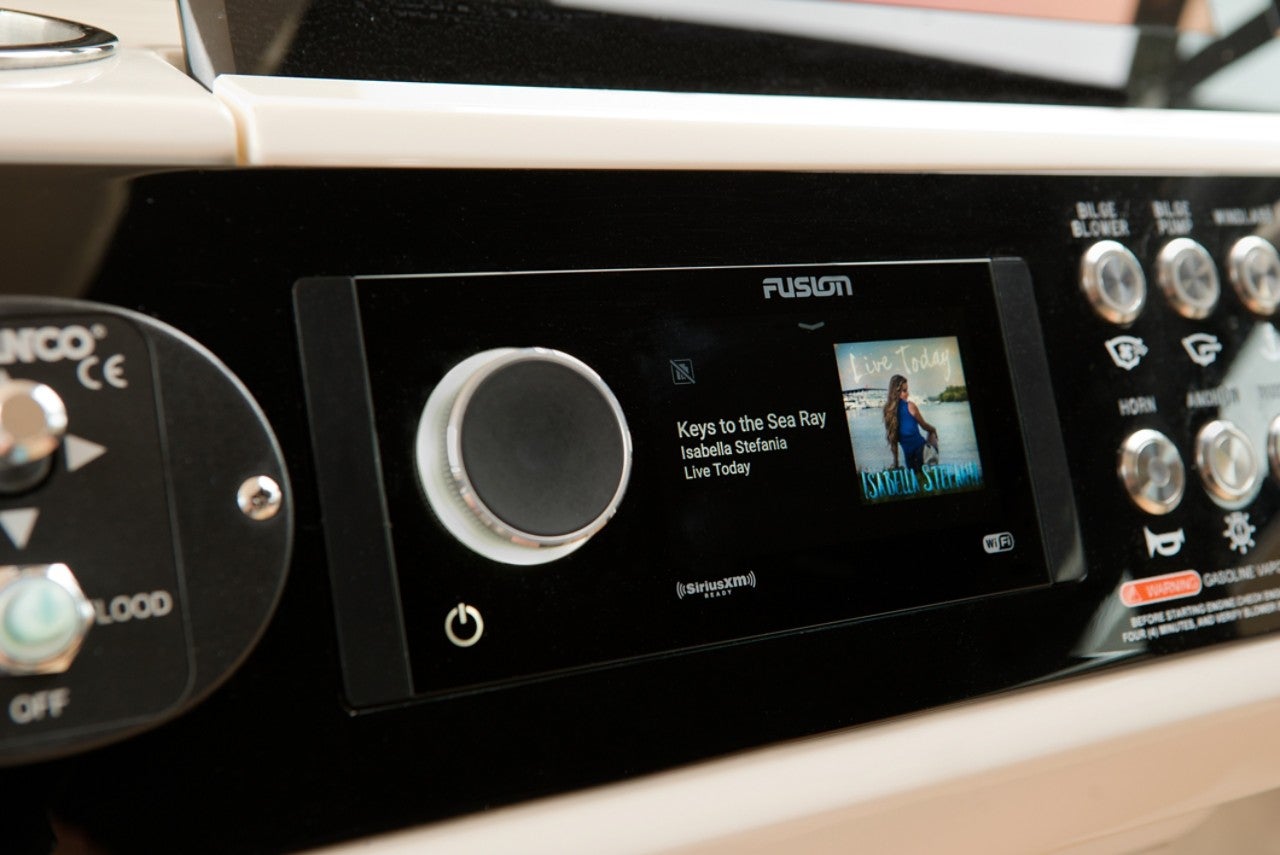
(1157,589)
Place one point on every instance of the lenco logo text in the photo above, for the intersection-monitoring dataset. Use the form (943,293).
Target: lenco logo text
(808,286)
(46,344)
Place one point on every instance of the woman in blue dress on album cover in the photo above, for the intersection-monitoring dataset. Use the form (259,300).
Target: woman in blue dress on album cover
(902,424)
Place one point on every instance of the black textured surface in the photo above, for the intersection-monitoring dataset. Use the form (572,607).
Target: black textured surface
(273,761)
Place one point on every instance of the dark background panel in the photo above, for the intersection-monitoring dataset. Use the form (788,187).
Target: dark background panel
(276,761)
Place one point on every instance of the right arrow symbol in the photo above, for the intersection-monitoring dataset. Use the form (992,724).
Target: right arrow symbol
(81,452)
(18,525)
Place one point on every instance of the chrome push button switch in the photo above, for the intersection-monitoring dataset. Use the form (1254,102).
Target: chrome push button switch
(33,422)
(1228,464)
(1152,471)
(1188,278)
(44,617)
(1113,281)
(1254,269)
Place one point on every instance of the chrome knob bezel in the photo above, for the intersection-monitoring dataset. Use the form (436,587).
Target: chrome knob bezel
(457,464)
(1240,265)
(1224,494)
(1138,487)
(30,41)
(1170,265)
(1093,272)
(442,472)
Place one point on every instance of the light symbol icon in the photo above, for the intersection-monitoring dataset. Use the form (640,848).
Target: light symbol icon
(1239,532)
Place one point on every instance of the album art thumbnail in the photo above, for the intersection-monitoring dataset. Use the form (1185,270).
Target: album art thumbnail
(907,406)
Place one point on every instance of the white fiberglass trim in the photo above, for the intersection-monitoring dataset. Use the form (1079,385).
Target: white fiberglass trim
(297,122)
(133,109)
(1033,771)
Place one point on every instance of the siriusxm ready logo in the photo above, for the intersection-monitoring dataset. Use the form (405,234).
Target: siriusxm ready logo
(713,588)
(807,286)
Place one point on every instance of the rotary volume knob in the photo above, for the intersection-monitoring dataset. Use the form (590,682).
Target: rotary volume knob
(524,453)
(33,420)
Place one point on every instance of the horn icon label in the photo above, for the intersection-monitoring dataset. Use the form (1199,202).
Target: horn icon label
(1167,543)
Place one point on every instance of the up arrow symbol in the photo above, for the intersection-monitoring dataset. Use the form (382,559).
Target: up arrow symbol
(18,525)
(81,452)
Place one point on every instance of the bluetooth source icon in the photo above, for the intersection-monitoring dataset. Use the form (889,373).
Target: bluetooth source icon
(682,372)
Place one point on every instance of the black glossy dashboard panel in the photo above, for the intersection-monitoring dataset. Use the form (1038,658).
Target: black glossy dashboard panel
(284,760)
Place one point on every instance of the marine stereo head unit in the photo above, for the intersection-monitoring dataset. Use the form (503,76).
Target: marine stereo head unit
(784,447)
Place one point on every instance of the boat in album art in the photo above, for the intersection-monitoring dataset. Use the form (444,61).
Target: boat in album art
(924,444)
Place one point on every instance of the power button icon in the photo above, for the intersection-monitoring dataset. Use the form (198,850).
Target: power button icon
(463,625)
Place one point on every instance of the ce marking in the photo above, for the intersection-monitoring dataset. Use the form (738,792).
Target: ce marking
(112,373)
